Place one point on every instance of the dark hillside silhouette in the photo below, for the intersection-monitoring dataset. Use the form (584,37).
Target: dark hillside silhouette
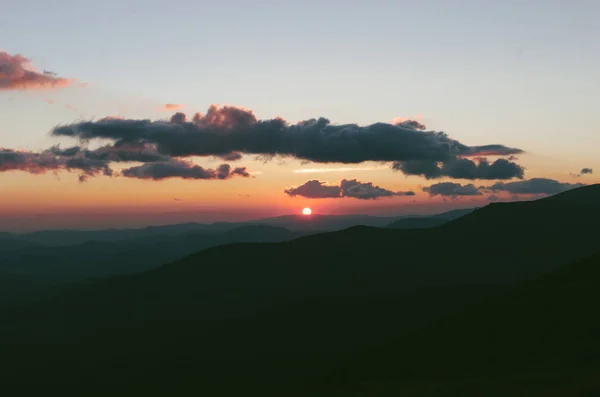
(539,339)
(264,316)
(428,221)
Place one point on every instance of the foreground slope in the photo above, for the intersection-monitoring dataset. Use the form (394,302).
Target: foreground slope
(429,221)
(540,339)
(270,315)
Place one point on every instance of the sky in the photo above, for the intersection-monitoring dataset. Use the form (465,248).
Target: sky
(389,76)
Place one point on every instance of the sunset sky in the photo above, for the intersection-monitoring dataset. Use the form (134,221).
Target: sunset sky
(514,82)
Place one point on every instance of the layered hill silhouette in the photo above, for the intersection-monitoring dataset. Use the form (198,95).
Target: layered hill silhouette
(295,223)
(57,264)
(273,316)
(67,256)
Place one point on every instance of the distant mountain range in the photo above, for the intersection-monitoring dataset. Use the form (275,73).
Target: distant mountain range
(362,311)
(61,256)
(104,258)
(294,223)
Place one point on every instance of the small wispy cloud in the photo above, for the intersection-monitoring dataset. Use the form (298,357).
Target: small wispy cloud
(170,107)
(342,169)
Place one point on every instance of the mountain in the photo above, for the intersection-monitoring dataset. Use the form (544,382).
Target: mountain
(324,223)
(249,317)
(295,223)
(259,234)
(423,222)
(539,339)
(99,259)
(10,243)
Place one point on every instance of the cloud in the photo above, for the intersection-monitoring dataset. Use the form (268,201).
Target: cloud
(110,153)
(172,106)
(315,189)
(228,129)
(451,189)
(232,156)
(533,186)
(16,73)
(584,171)
(182,169)
(407,123)
(347,188)
(48,161)
(462,168)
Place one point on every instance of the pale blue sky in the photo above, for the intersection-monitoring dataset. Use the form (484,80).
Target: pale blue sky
(523,73)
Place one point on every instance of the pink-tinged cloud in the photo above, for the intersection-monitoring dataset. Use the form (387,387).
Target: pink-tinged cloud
(50,101)
(17,73)
(169,107)
(173,106)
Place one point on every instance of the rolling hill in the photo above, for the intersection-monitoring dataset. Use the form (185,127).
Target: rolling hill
(424,222)
(258,317)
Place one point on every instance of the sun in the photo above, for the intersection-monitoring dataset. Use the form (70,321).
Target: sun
(306,211)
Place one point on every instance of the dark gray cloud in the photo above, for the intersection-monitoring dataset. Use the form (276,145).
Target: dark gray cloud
(49,161)
(533,186)
(233,156)
(366,190)
(586,171)
(228,130)
(347,188)
(493,197)
(115,153)
(182,169)
(315,189)
(461,168)
(451,189)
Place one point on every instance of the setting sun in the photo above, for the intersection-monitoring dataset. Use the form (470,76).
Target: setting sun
(306,211)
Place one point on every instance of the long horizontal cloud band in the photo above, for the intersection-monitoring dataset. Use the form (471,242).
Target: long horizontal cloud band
(228,131)
(91,163)
(347,188)
(534,186)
